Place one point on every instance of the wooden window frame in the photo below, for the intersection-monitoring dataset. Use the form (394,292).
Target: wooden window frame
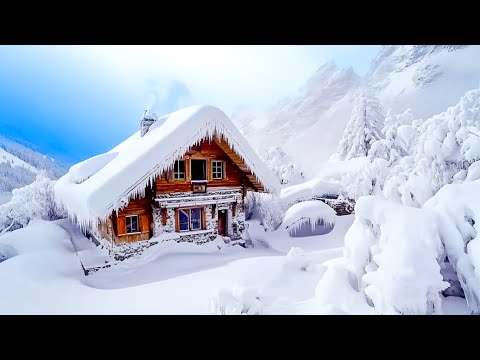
(138,225)
(189,209)
(184,172)
(223,169)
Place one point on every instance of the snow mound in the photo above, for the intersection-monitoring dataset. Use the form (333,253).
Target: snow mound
(6,252)
(298,260)
(26,240)
(82,171)
(335,294)
(239,301)
(312,213)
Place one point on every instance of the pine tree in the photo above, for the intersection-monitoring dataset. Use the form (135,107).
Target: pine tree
(364,126)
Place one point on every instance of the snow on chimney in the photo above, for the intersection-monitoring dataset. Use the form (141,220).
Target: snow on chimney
(147,121)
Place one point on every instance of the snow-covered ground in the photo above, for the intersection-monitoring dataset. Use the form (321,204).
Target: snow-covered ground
(40,263)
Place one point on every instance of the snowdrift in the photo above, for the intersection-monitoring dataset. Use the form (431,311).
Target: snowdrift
(396,255)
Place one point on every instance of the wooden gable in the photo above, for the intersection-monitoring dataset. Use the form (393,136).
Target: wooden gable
(236,172)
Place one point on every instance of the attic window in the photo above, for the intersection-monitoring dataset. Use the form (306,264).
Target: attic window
(179,170)
(217,169)
(199,169)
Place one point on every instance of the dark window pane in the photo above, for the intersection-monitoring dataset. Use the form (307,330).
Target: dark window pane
(129,224)
(196,219)
(134,223)
(184,220)
(198,168)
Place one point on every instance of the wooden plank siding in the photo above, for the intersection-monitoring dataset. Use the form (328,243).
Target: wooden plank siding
(234,176)
(142,208)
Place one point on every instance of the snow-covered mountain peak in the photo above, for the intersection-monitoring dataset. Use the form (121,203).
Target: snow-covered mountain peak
(425,78)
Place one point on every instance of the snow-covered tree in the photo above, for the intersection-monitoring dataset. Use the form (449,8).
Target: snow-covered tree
(421,156)
(282,165)
(266,208)
(29,202)
(398,137)
(364,126)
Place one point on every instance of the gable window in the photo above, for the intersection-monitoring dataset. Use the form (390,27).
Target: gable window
(132,224)
(217,169)
(190,219)
(179,170)
(199,169)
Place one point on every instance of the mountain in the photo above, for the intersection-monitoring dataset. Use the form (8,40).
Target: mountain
(19,165)
(425,78)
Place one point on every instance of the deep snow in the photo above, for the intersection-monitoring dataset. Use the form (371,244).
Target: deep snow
(173,278)
(168,279)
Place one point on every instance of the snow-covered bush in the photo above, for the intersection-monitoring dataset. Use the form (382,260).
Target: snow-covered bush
(402,258)
(239,301)
(282,165)
(394,253)
(267,208)
(29,202)
(364,126)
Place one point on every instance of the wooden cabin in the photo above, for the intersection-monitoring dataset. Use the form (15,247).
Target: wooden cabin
(160,190)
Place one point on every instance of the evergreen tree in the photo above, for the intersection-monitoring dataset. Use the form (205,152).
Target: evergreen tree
(363,128)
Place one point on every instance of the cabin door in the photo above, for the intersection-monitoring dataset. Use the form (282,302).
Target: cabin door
(222,222)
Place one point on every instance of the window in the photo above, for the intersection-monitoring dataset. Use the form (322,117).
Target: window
(199,169)
(217,169)
(190,219)
(132,224)
(179,170)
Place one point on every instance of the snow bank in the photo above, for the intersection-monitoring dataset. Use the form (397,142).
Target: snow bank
(312,213)
(403,258)
(307,190)
(26,240)
(239,301)
(458,209)
(82,171)
(334,293)
(140,159)
(395,252)
(391,262)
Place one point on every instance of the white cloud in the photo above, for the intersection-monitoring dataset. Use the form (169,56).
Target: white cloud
(226,76)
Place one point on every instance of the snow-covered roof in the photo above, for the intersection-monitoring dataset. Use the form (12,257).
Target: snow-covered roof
(93,188)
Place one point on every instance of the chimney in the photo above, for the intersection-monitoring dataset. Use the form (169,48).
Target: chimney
(147,121)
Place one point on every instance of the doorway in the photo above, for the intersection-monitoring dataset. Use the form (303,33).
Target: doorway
(222,222)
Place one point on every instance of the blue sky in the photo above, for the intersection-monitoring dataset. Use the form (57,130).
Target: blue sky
(74,102)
